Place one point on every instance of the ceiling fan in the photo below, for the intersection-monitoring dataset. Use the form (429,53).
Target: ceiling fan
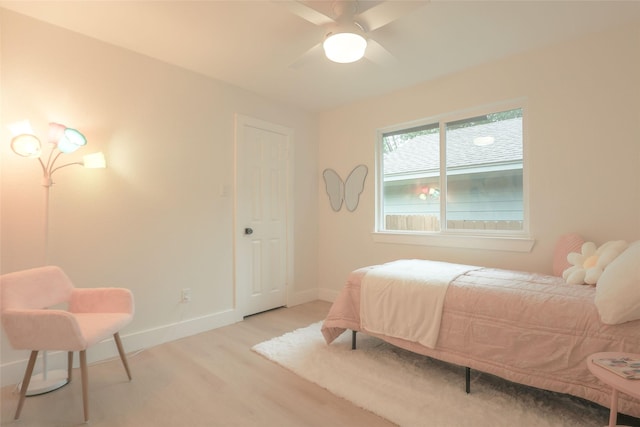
(348,27)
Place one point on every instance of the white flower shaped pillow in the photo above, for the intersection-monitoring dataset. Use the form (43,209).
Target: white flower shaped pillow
(588,265)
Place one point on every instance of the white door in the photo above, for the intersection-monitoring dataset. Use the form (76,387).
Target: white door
(263,219)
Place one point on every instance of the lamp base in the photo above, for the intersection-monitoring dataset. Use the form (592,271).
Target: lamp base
(41,385)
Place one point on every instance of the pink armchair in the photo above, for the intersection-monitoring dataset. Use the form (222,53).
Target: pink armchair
(92,315)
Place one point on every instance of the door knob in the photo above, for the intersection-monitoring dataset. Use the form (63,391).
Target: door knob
(248,231)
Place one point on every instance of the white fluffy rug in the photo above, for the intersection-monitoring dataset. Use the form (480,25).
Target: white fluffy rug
(413,390)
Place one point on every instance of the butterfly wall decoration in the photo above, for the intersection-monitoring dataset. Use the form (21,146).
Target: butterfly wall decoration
(347,191)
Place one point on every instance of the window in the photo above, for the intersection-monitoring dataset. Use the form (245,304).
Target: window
(454,175)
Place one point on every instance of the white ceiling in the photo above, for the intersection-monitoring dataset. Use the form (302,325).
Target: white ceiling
(253,44)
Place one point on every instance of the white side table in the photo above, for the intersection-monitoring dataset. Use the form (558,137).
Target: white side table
(617,383)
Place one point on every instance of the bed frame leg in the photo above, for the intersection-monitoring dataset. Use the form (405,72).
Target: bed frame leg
(467,378)
(467,370)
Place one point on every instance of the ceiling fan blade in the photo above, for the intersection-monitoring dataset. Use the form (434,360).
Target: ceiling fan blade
(305,12)
(387,12)
(312,55)
(377,54)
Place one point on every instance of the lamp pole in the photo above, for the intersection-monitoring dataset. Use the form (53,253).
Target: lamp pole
(46,381)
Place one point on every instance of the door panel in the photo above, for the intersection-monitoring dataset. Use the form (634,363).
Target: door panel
(262,204)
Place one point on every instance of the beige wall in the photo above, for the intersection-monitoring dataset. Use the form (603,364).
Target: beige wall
(154,220)
(583,141)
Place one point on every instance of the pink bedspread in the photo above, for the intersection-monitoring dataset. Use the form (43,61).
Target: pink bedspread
(528,328)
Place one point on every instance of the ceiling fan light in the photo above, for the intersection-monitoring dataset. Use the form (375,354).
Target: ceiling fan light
(344,47)
(483,141)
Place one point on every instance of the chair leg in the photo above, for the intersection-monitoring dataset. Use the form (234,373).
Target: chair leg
(85,384)
(123,356)
(69,365)
(25,381)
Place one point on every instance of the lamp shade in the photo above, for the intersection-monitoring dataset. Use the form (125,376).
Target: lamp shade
(26,145)
(56,132)
(21,127)
(71,140)
(94,161)
(344,47)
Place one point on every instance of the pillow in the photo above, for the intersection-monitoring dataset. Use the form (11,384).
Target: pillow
(589,264)
(567,243)
(618,290)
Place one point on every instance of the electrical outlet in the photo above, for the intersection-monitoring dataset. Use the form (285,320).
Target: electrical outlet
(185,295)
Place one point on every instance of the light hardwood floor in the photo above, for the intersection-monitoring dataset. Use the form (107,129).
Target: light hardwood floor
(210,379)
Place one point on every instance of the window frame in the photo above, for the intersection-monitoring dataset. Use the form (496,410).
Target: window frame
(508,240)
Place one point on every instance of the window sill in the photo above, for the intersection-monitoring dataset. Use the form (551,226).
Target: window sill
(496,243)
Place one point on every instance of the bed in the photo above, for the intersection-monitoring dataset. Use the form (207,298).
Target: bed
(528,328)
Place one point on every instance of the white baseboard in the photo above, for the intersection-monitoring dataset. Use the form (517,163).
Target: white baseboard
(302,297)
(12,372)
(329,295)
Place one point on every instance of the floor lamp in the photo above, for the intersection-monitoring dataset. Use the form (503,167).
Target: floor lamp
(63,140)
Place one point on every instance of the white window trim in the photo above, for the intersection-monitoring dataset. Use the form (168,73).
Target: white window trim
(466,241)
(521,241)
